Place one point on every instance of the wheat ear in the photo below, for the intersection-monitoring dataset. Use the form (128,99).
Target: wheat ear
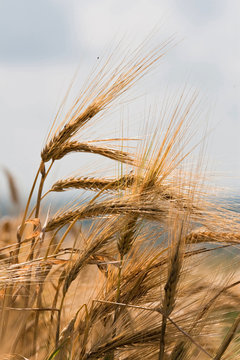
(75,146)
(95,184)
(102,95)
(105,208)
(211,236)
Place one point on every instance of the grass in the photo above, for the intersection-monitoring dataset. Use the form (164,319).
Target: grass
(139,281)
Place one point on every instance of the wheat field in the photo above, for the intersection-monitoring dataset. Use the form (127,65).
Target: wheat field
(138,270)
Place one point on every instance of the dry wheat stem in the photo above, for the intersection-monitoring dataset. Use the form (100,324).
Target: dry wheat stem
(22,226)
(43,274)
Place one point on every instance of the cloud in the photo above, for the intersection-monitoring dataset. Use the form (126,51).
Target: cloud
(99,22)
(33,31)
(199,12)
(42,41)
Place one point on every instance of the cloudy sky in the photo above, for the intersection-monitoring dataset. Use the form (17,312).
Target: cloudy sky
(43,43)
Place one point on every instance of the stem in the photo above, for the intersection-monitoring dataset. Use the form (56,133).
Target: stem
(31,255)
(65,234)
(22,226)
(162,338)
(37,321)
(59,320)
(33,243)
(34,208)
(118,294)
(44,176)
(51,242)
(39,198)
(28,203)
(42,170)
(54,305)
(110,355)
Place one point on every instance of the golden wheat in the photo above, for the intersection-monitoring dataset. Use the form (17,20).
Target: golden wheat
(129,273)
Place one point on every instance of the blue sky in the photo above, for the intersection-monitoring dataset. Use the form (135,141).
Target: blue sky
(42,43)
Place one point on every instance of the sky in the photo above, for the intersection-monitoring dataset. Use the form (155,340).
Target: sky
(43,44)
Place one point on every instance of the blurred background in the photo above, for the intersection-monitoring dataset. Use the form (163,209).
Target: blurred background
(43,44)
